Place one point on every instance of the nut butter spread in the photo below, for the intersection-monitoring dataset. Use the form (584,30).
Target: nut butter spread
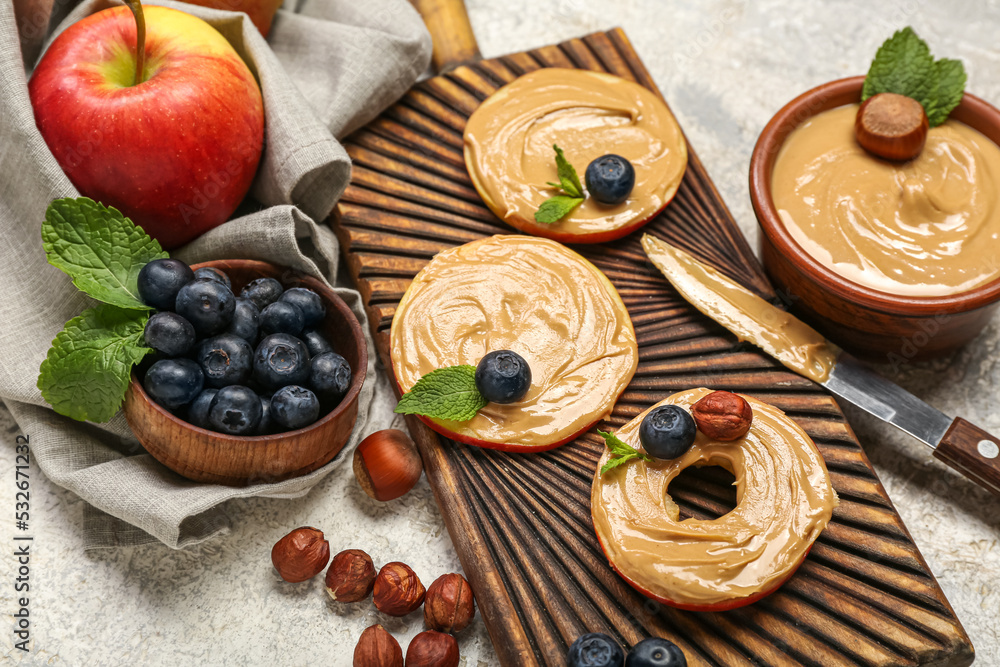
(784,500)
(535,297)
(509,155)
(784,337)
(926,227)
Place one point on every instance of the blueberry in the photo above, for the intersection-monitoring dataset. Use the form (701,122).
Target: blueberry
(308,302)
(169,334)
(210,273)
(595,649)
(503,376)
(330,375)
(667,432)
(294,407)
(225,359)
(161,279)
(655,652)
(315,342)
(198,410)
(280,360)
(207,305)
(610,179)
(263,292)
(235,410)
(245,322)
(266,423)
(281,317)
(173,382)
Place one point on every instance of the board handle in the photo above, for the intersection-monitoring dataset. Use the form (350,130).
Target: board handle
(973,452)
(451,31)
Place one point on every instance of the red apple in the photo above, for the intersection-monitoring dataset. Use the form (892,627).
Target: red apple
(176,150)
(261,12)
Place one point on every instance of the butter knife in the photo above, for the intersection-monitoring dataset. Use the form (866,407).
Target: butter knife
(960,444)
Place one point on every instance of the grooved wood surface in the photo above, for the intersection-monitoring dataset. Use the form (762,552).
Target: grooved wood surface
(521,523)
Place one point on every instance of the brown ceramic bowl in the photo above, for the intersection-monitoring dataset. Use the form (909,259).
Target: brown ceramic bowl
(207,456)
(876,325)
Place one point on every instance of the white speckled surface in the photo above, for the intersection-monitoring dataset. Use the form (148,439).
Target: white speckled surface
(725,67)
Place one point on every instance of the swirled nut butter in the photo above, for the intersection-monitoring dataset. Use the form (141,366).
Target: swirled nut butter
(925,227)
(784,500)
(537,298)
(509,150)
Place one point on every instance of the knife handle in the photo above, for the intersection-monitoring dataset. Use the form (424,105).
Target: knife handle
(973,452)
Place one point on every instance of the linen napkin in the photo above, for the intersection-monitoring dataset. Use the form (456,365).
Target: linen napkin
(327,67)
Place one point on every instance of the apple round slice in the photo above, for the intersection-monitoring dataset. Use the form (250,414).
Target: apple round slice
(784,501)
(510,157)
(533,296)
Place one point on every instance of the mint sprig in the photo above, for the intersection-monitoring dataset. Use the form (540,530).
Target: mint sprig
(87,369)
(904,65)
(99,248)
(620,452)
(558,207)
(446,393)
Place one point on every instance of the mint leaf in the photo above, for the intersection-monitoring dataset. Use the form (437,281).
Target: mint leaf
(99,248)
(904,65)
(614,462)
(446,393)
(568,179)
(87,369)
(949,88)
(617,447)
(620,452)
(556,208)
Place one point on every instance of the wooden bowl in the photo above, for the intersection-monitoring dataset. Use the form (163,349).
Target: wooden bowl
(206,456)
(875,325)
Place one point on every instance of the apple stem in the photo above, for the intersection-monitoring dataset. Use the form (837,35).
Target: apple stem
(140,38)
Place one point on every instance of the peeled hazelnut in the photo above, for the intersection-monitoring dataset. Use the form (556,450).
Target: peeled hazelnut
(387,464)
(398,590)
(449,605)
(723,415)
(432,649)
(377,648)
(891,126)
(351,576)
(301,554)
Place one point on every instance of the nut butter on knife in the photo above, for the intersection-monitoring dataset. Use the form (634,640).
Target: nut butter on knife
(962,445)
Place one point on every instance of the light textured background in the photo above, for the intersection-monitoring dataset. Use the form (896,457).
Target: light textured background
(725,68)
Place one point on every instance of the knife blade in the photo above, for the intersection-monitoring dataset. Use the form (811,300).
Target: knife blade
(958,443)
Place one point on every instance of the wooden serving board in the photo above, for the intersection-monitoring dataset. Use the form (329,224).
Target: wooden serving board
(521,523)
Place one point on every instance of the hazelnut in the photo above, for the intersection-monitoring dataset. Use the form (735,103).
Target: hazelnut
(398,590)
(387,464)
(432,649)
(722,415)
(351,576)
(891,126)
(377,648)
(301,554)
(449,605)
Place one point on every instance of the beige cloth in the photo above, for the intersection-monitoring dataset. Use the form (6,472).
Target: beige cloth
(328,67)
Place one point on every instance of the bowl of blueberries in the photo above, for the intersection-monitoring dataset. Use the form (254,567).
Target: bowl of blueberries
(255,374)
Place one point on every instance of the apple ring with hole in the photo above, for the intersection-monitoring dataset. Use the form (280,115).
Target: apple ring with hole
(510,158)
(537,298)
(784,501)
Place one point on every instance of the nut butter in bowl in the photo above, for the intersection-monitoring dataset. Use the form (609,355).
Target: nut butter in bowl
(891,253)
